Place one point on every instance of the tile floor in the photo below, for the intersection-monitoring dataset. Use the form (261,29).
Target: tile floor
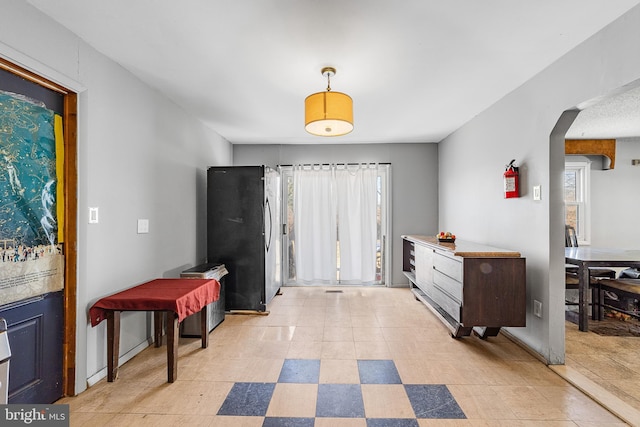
(365,357)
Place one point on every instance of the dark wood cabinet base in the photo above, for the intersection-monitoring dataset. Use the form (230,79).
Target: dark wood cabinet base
(470,287)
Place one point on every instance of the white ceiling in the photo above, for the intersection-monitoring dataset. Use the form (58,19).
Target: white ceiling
(616,116)
(416,69)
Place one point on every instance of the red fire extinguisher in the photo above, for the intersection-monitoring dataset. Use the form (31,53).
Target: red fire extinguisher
(511,185)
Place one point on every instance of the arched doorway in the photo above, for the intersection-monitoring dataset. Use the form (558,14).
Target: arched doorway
(600,375)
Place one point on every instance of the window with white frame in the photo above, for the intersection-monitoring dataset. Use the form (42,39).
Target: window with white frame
(576,198)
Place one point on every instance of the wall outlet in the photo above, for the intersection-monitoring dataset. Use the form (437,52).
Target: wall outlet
(537,308)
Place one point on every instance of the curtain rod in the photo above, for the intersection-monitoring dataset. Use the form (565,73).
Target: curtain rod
(338,164)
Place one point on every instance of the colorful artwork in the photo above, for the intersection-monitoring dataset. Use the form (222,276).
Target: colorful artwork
(31,262)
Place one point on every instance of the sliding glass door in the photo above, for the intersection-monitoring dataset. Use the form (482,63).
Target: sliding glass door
(336,224)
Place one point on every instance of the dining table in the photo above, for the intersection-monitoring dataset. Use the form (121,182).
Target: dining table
(586,257)
(174,298)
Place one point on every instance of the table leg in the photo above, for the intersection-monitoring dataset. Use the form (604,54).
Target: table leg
(113,344)
(583,298)
(158,317)
(595,302)
(204,326)
(173,329)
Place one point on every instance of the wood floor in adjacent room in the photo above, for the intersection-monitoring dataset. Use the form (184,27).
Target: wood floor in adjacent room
(366,356)
(611,362)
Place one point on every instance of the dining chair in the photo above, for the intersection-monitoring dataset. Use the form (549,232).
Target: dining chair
(595,274)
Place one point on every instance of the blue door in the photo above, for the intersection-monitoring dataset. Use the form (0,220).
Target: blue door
(35,321)
(35,328)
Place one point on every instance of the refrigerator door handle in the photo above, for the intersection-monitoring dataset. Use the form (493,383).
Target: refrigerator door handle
(267,240)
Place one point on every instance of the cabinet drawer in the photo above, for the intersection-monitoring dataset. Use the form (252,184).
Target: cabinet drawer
(445,302)
(446,283)
(449,266)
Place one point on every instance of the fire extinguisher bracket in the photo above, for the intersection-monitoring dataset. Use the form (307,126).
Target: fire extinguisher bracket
(511,178)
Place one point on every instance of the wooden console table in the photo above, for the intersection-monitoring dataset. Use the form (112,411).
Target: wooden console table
(469,286)
(179,298)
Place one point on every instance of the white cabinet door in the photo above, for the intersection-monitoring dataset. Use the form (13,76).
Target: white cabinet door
(424,268)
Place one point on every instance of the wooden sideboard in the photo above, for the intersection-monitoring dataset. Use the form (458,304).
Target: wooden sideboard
(469,286)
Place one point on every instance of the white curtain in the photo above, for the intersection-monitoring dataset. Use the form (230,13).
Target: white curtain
(356,191)
(330,204)
(314,207)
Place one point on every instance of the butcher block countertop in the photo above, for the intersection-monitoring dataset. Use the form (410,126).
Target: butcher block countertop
(462,248)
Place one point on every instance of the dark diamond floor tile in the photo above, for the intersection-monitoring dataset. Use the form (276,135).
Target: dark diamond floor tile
(247,399)
(340,401)
(306,371)
(433,401)
(288,422)
(392,422)
(378,372)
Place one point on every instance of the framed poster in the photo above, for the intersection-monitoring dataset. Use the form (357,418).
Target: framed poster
(31,202)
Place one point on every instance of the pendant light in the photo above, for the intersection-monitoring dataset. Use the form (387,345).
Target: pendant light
(328,113)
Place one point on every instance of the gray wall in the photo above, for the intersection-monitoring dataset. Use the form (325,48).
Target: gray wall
(519,127)
(139,156)
(615,200)
(414,180)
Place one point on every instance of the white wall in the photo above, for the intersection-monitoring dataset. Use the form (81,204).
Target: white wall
(139,156)
(414,180)
(519,126)
(615,200)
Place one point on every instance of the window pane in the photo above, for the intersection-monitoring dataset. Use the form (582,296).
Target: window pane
(570,186)
(571,216)
(576,191)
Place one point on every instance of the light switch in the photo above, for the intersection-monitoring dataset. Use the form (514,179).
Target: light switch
(143,226)
(93,215)
(537,193)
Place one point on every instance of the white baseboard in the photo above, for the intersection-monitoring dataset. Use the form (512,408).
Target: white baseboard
(93,379)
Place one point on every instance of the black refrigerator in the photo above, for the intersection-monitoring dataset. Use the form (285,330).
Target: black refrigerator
(244,233)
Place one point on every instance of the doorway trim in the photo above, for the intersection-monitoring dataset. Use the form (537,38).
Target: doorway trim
(70,132)
(556,297)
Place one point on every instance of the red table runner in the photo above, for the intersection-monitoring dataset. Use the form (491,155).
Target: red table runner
(182,296)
